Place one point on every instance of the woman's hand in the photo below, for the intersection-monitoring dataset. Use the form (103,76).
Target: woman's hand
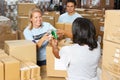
(44,38)
(53,42)
(60,33)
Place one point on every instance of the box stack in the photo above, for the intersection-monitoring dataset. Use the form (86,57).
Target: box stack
(9,67)
(29,71)
(51,17)
(111,46)
(24,50)
(64,26)
(22,19)
(12,68)
(6,32)
(97,17)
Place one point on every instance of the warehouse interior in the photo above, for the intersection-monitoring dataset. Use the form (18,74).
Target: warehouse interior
(18,56)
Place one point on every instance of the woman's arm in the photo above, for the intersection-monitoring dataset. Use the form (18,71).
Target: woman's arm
(40,42)
(62,33)
(55,48)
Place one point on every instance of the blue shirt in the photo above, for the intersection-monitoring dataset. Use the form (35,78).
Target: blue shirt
(35,34)
(66,18)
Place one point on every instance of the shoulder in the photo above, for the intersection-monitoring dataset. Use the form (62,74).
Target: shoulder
(64,14)
(77,14)
(69,47)
(27,29)
(45,23)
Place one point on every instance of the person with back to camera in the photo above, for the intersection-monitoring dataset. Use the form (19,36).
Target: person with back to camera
(82,57)
(37,32)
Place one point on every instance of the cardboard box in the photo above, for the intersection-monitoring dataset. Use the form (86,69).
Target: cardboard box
(24,50)
(55,14)
(49,19)
(68,27)
(101,28)
(1,71)
(3,55)
(34,70)
(51,65)
(59,25)
(107,75)
(24,72)
(112,26)
(1,51)
(20,35)
(24,8)
(11,68)
(111,57)
(23,22)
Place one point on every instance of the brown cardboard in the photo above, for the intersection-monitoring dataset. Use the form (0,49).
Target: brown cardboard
(55,78)
(101,28)
(20,35)
(1,51)
(38,78)
(55,14)
(1,71)
(24,50)
(24,72)
(2,55)
(111,57)
(107,75)
(34,70)
(50,65)
(11,68)
(49,19)
(24,8)
(59,25)
(22,22)
(68,27)
(112,26)
(7,36)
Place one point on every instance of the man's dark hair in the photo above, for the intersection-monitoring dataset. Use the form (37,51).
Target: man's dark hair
(73,1)
(84,32)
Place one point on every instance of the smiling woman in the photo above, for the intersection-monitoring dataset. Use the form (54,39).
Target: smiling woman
(37,32)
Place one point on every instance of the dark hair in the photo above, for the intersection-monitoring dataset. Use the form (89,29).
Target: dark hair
(73,1)
(84,32)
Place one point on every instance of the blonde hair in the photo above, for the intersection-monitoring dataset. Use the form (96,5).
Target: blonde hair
(31,15)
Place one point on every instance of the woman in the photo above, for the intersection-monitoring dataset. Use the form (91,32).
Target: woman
(82,57)
(37,32)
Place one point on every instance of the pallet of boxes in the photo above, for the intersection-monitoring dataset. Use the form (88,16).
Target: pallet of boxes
(18,61)
(111,46)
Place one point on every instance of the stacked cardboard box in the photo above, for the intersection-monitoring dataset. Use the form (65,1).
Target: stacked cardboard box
(111,46)
(24,8)
(64,26)
(6,32)
(9,67)
(22,19)
(24,50)
(49,19)
(1,71)
(54,14)
(55,67)
(29,71)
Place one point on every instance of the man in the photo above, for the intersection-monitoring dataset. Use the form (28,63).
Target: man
(70,15)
